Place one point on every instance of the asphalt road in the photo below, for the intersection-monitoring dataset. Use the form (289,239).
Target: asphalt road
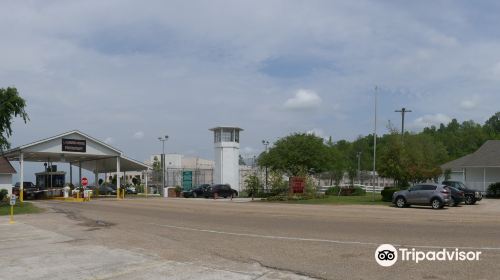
(328,242)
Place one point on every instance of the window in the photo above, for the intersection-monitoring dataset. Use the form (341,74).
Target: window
(428,188)
(416,188)
(227,135)
(217,136)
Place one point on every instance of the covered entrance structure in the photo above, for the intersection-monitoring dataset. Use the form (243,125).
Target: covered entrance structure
(76,149)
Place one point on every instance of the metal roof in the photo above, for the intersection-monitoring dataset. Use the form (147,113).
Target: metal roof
(102,155)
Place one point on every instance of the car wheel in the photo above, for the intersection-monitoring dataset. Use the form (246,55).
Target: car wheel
(400,202)
(469,200)
(456,204)
(436,204)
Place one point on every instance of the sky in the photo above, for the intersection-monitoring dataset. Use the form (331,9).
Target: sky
(127,72)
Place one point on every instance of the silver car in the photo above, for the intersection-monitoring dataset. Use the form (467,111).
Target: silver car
(435,195)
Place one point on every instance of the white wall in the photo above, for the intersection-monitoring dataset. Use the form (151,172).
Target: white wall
(6,182)
(477,178)
(227,169)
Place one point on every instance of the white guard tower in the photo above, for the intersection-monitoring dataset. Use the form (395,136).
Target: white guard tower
(227,154)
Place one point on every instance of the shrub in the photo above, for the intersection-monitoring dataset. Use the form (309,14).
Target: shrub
(357,191)
(333,190)
(253,185)
(3,194)
(350,191)
(493,190)
(387,194)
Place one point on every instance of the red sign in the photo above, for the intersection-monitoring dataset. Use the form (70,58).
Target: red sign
(297,184)
(85,182)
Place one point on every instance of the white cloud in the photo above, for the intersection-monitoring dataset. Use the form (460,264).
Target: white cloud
(138,135)
(428,120)
(108,140)
(317,132)
(468,104)
(303,100)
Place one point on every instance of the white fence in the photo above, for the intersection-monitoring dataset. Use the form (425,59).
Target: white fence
(367,188)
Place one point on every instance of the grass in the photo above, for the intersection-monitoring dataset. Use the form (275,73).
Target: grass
(342,200)
(24,208)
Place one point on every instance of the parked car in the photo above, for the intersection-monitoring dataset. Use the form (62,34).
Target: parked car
(435,195)
(471,196)
(130,189)
(220,190)
(457,197)
(198,191)
(107,190)
(30,190)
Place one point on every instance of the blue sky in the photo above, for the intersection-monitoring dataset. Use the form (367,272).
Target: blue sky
(129,71)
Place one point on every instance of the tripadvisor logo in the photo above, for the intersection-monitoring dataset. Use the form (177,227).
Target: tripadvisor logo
(387,255)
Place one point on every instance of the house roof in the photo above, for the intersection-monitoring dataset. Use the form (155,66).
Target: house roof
(488,155)
(6,167)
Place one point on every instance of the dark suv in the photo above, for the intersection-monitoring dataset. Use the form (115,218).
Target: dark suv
(198,191)
(471,196)
(221,190)
(30,190)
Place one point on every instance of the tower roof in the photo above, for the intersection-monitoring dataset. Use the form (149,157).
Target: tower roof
(231,127)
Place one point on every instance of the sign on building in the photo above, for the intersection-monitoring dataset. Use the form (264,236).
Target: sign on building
(74,145)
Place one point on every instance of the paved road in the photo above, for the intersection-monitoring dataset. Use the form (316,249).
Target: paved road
(259,239)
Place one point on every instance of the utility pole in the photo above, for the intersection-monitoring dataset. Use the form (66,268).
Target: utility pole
(403,111)
(163,140)
(266,144)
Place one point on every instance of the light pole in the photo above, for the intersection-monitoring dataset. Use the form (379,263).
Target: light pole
(374,145)
(163,140)
(358,155)
(266,144)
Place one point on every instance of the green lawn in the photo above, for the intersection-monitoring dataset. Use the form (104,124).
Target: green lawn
(342,200)
(24,208)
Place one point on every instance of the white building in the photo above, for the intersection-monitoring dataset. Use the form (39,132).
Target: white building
(6,171)
(227,153)
(479,169)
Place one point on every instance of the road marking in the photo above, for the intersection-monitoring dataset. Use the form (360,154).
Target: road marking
(321,240)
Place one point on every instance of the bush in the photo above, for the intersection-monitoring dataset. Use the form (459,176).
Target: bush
(493,190)
(333,190)
(387,194)
(350,191)
(3,194)
(357,191)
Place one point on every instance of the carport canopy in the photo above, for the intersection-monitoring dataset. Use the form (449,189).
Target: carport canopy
(75,148)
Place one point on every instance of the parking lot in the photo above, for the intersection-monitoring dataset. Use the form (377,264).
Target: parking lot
(224,239)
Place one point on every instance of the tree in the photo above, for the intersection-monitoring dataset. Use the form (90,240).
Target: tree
(296,154)
(11,105)
(253,185)
(492,125)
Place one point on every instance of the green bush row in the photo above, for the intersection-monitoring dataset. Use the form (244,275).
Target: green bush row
(355,191)
(493,190)
(387,194)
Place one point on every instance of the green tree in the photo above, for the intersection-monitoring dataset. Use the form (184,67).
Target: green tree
(296,154)
(253,185)
(492,125)
(11,105)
